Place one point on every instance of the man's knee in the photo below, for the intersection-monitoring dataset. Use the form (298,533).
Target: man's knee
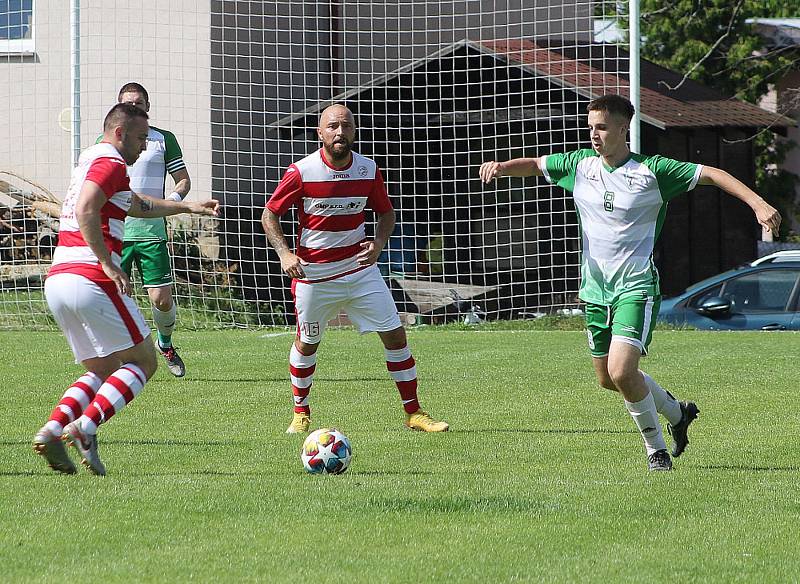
(161,298)
(306,349)
(394,339)
(148,361)
(606,382)
(622,374)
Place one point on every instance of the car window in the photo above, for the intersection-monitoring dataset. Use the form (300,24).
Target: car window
(766,291)
(696,301)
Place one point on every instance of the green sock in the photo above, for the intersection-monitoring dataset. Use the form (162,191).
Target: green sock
(164,341)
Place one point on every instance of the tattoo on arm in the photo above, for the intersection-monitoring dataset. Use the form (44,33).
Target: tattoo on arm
(146,204)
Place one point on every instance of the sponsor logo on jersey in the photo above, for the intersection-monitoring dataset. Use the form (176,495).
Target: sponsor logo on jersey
(362,171)
(337,175)
(321,206)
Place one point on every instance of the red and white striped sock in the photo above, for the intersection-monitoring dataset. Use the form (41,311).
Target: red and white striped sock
(118,391)
(79,395)
(403,369)
(301,370)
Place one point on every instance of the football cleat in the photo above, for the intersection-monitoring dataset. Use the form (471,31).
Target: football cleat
(300,424)
(659,460)
(52,449)
(174,361)
(679,432)
(86,445)
(422,421)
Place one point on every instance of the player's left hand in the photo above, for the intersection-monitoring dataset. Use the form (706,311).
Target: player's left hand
(369,253)
(769,217)
(210,207)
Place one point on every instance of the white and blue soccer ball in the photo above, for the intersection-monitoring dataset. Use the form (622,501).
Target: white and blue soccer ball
(326,451)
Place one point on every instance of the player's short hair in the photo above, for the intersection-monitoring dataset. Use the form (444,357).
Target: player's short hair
(133,87)
(613,104)
(122,114)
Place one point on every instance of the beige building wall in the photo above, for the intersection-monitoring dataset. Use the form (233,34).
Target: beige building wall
(164,46)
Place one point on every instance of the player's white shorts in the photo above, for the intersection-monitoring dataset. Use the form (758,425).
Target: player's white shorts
(96,322)
(363,296)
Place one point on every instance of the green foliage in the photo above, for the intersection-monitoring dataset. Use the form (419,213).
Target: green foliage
(210,290)
(777,183)
(542,478)
(712,43)
(680,35)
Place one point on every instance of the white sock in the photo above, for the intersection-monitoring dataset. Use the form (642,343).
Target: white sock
(666,404)
(645,417)
(165,322)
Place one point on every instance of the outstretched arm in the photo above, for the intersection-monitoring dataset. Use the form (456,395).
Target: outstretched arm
(144,206)
(291,264)
(515,167)
(766,214)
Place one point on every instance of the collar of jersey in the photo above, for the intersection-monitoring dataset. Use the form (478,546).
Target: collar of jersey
(332,167)
(620,165)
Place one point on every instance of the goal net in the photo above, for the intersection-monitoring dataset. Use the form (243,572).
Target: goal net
(437,87)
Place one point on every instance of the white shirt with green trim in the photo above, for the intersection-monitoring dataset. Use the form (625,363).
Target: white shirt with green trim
(161,156)
(620,212)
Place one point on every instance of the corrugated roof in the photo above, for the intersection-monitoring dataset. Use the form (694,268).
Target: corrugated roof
(658,109)
(779,32)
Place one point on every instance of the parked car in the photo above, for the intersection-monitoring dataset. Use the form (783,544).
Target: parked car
(762,295)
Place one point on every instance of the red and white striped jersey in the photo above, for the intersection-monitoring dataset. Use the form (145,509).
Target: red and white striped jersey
(104,166)
(331,203)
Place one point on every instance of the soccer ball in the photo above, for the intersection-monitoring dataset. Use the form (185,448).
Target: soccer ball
(326,451)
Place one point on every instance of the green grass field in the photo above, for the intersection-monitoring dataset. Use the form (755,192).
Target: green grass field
(541,479)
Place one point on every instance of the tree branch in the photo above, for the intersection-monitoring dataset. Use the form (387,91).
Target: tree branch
(710,51)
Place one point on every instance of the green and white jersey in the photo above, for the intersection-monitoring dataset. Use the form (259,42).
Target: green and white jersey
(620,211)
(162,155)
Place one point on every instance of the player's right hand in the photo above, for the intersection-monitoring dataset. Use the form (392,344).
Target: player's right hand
(490,170)
(292,266)
(209,207)
(120,278)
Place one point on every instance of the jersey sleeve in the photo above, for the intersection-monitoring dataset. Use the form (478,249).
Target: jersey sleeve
(173,157)
(379,198)
(287,193)
(109,174)
(674,177)
(559,169)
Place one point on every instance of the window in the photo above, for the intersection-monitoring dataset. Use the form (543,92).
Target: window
(16,26)
(704,295)
(767,291)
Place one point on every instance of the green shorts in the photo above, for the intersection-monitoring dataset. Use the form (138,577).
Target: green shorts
(630,319)
(151,259)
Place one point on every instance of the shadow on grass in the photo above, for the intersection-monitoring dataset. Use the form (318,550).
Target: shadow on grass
(170,442)
(317,379)
(194,473)
(458,504)
(748,468)
(150,442)
(540,431)
(386,473)
(28,473)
